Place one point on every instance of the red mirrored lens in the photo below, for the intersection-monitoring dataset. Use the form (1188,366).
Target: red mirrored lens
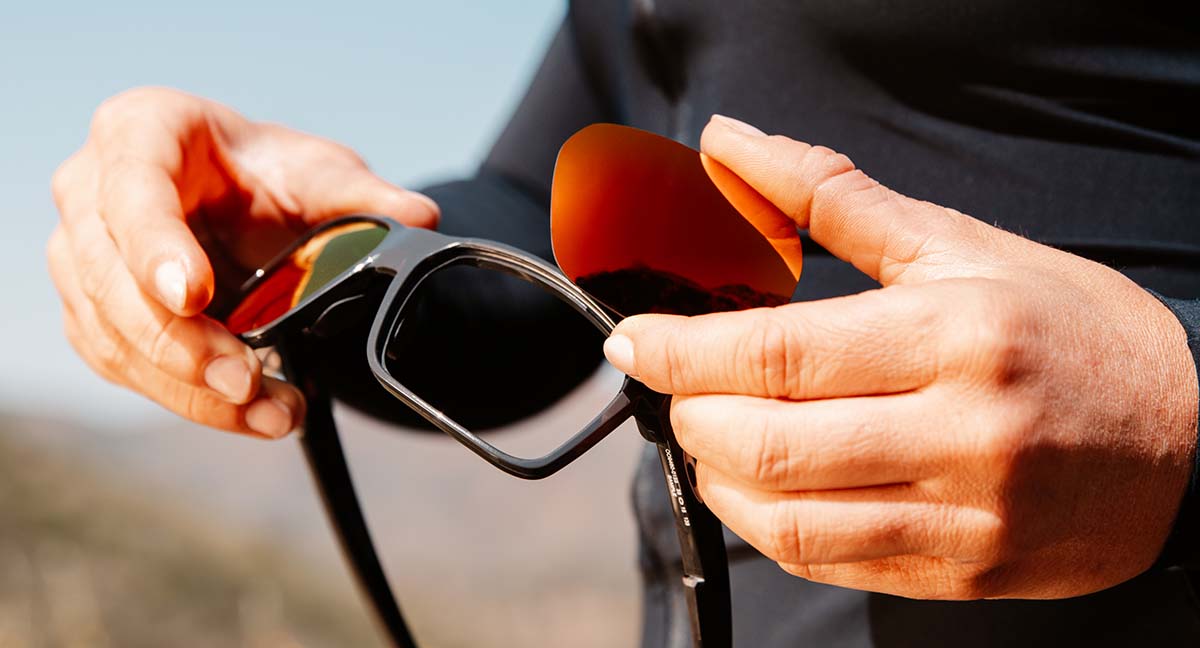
(310,267)
(637,222)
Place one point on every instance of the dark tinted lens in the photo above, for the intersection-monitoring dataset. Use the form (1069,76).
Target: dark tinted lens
(490,560)
(305,271)
(488,349)
(637,222)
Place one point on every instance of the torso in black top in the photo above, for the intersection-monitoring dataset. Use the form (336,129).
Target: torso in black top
(1075,123)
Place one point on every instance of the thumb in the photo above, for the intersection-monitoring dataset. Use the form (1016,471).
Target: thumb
(778,228)
(319,179)
(354,189)
(888,236)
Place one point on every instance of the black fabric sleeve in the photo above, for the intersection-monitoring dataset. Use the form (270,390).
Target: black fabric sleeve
(548,349)
(1182,548)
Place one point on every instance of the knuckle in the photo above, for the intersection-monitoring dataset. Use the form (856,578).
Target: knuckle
(830,189)
(898,534)
(768,453)
(160,341)
(784,541)
(1010,428)
(99,282)
(799,570)
(676,365)
(686,422)
(1002,444)
(195,405)
(826,163)
(991,539)
(143,107)
(113,110)
(56,246)
(63,181)
(772,360)
(818,573)
(989,342)
(972,582)
(112,355)
(118,107)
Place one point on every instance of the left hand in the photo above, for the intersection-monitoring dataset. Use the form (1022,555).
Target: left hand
(1001,419)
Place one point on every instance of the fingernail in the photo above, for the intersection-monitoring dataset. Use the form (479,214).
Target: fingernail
(269,417)
(228,376)
(171,281)
(738,125)
(619,351)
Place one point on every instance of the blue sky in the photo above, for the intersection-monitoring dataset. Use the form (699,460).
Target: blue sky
(418,88)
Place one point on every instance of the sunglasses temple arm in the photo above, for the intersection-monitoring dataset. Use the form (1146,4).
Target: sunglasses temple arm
(702,546)
(327,464)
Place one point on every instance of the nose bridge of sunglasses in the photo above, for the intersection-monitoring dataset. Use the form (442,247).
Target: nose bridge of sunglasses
(343,313)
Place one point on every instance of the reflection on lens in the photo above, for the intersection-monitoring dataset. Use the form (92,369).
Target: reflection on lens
(304,272)
(637,222)
(488,349)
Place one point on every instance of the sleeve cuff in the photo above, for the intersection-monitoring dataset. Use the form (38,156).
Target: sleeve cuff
(1182,549)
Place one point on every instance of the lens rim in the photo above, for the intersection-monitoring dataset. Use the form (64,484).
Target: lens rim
(410,255)
(493,256)
(314,304)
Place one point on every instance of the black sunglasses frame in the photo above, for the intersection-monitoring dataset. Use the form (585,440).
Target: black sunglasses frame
(410,256)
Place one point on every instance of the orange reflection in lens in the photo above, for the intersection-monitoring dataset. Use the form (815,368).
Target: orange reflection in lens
(293,278)
(637,222)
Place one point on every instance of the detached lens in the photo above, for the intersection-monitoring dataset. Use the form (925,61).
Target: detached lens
(637,222)
(308,269)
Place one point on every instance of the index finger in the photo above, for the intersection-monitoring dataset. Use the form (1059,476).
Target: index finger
(876,342)
(140,204)
(138,147)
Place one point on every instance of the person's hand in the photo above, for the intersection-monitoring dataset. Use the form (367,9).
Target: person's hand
(170,194)
(1001,419)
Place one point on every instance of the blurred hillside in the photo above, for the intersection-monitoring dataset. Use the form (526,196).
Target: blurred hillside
(172,535)
(94,557)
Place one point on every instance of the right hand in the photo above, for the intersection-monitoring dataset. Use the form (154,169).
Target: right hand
(170,193)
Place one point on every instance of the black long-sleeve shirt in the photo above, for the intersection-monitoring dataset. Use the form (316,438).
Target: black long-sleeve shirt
(1073,123)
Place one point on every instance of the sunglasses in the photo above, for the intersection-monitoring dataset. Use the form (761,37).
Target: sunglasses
(637,226)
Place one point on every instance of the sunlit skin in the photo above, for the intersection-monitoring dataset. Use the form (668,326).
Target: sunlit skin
(1000,419)
(134,278)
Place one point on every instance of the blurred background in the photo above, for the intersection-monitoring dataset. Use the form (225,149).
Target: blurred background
(121,525)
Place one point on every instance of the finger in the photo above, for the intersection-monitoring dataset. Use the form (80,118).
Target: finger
(142,152)
(777,227)
(140,206)
(276,409)
(890,237)
(323,179)
(61,274)
(876,342)
(917,577)
(839,526)
(194,350)
(774,445)
(355,190)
